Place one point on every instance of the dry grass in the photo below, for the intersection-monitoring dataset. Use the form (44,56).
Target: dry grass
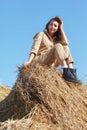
(30,122)
(4,91)
(49,102)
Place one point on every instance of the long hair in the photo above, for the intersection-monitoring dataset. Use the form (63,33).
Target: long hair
(57,35)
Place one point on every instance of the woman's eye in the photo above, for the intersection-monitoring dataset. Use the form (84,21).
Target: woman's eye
(53,25)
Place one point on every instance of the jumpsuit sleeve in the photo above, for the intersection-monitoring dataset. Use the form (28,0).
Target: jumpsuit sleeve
(36,43)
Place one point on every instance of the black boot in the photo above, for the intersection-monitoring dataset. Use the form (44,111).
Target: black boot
(67,75)
(73,71)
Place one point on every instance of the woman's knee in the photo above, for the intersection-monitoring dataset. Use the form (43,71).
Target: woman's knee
(58,45)
(59,48)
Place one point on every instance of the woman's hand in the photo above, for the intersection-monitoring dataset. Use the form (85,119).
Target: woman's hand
(61,25)
(26,63)
(30,60)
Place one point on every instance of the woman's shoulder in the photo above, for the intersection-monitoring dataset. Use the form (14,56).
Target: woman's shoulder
(38,34)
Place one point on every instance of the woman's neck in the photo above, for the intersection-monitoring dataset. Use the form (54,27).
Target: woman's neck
(49,36)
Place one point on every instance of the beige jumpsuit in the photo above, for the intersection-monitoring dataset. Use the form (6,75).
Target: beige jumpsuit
(48,53)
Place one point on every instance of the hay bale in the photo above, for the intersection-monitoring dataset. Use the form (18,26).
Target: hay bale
(62,103)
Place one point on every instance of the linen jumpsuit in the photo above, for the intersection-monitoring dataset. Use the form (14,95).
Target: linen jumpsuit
(48,53)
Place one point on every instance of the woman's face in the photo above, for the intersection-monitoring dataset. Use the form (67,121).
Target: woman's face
(52,27)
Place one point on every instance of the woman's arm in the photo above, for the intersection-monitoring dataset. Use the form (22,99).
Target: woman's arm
(64,38)
(30,59)
(35,47)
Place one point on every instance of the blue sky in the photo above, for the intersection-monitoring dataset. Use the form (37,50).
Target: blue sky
(20,20)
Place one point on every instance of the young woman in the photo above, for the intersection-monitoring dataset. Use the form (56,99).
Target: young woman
(50,48)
